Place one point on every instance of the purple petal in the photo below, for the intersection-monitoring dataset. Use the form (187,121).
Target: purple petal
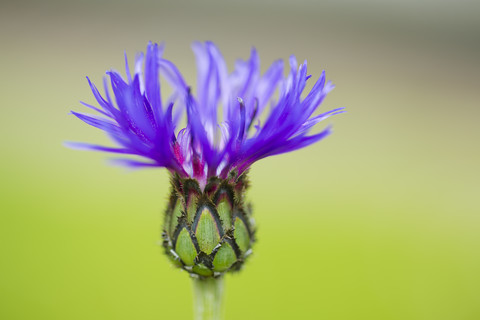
(152,83)
(127,69)
(87,146)
(133,163)
(96,109)
(107,106)
(98,122)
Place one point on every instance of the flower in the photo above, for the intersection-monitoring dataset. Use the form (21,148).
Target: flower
(208,228)
(224,130)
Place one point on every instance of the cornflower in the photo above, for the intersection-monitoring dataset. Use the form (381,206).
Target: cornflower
(208,228)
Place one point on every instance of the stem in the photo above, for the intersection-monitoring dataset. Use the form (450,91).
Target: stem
(208,293)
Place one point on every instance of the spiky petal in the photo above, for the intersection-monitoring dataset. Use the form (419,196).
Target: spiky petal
(214,142)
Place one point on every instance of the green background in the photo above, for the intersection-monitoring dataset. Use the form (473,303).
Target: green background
(379,221)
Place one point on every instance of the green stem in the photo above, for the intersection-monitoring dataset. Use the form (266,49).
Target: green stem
(208,293)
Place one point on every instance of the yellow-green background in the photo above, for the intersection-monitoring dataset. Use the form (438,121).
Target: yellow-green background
(379,221)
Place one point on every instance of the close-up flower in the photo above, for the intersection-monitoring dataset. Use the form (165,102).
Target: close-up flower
(208,194)
(232,120)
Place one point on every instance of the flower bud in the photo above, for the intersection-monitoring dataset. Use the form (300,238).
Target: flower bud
(208,231)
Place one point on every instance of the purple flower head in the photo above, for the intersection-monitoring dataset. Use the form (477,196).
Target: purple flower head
(227,126)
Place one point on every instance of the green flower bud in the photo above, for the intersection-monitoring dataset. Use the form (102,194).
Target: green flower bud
(208,232)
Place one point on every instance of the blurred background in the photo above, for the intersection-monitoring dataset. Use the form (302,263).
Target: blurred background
(379,221)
